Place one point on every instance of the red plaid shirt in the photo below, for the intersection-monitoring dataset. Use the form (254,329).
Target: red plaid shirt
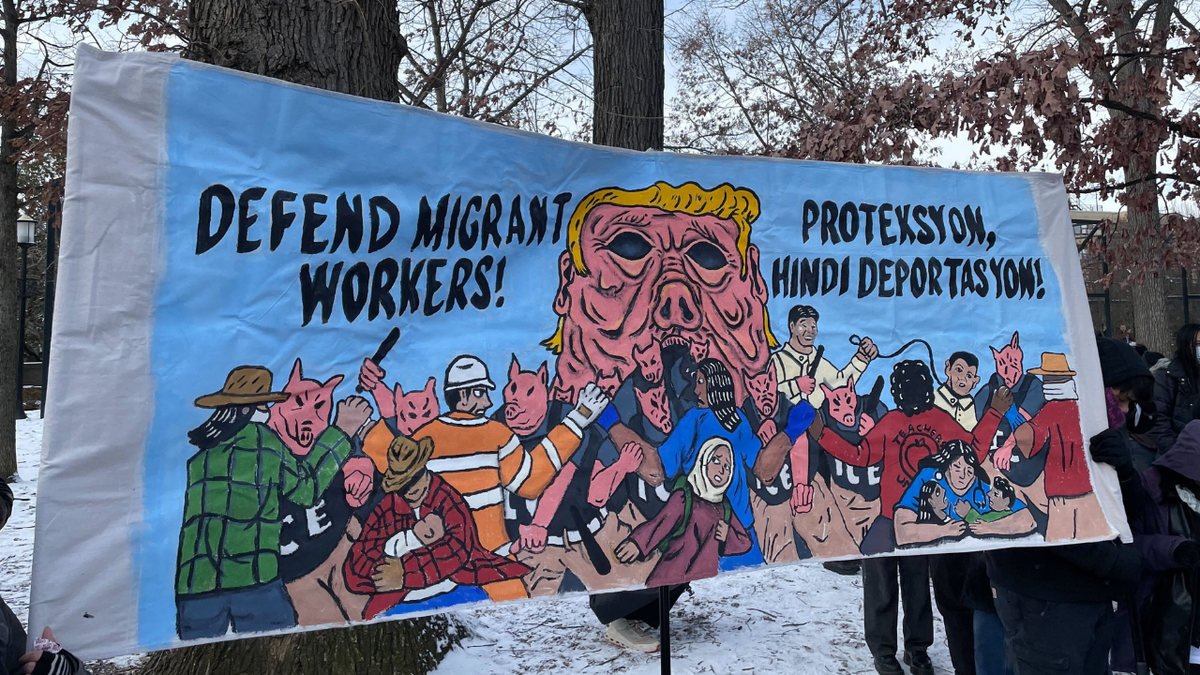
(457,556)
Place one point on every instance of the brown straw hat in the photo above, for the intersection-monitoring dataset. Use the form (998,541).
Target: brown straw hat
(246,385)
(1054,365)
(406,460)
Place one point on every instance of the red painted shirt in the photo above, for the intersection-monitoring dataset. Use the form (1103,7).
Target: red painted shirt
(457,555)
(1066,464)
(901,442)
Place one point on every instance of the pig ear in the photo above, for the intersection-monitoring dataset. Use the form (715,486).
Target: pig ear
(850,383)
(826,390)
(513,368)
(1016,340)
(995,353)
(332,383)
(543,372)
(297,373)
(430,384)
(399,391)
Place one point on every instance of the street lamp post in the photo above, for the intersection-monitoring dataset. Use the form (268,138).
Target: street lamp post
(25,235)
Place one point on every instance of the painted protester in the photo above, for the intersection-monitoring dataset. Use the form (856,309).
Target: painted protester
(420,542)
(855,489)
(717,415)
(904,437)
(228,574)
(567,535)
(483,458)
(697,526)
(314,540)
(1027,473)
(800,367)
(1073,507)
(951,498)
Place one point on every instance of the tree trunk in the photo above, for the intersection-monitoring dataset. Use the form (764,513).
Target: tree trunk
(10,355)
(1150,324)
(348,47)
(628,72)
(353,48)
(395,648)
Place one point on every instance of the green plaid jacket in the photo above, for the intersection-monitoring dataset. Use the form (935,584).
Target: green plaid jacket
(231,521)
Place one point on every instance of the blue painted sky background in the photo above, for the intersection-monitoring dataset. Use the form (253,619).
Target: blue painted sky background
(223,309)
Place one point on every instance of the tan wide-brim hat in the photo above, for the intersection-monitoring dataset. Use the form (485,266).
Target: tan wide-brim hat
(1054,365)
(245,385)
(406,459)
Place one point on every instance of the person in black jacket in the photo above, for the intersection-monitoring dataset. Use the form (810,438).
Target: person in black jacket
(1175,388)
(1056,604)
(51,659)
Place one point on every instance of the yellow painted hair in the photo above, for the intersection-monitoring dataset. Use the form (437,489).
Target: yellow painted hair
(724,201)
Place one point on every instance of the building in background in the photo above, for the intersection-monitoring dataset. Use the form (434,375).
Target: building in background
(1108,299)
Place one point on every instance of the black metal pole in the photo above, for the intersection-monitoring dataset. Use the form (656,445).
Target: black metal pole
(664,628)
(21,335)
(47,311)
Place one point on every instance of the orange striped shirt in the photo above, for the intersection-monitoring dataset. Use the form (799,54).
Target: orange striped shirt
(480,457)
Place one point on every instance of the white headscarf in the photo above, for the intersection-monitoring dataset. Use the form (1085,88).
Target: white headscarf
(702,487)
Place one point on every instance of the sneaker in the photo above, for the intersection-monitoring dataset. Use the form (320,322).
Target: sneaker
(623,633)
(918,663)
(888,665)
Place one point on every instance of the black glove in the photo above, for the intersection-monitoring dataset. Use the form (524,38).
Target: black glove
(1187,555)
(1108,447)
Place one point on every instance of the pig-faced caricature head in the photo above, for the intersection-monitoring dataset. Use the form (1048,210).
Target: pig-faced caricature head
(526,398)
(649,360)
(653,403)
(415,408)
(765,391)
(843,402)
(665,264)
(306,413)
(1009,361)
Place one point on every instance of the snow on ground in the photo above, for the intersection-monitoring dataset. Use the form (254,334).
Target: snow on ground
(792,620)
(16,539)
(796,620)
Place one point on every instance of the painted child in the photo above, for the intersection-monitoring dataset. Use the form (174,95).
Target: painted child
(697,525)
(1001,499)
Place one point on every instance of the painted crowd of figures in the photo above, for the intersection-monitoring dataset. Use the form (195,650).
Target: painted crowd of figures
(302,508)
(676,437)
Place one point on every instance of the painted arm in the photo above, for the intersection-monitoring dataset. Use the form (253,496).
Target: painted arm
(911,533)
(436,562)
(366,552)
(305,479)
(647,536)
(1019,523)
(605,479)
(866,453)
(983,433)
(682,438)
(737,539)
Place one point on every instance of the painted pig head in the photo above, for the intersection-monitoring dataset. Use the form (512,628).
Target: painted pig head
(843,402)
(654,406)
(765,391)
(415,408)
(667,264)
(526,398)
(1009,360)
(306,413)
(649,360)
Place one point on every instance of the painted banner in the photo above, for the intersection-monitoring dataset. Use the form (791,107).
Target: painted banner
(321,360)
